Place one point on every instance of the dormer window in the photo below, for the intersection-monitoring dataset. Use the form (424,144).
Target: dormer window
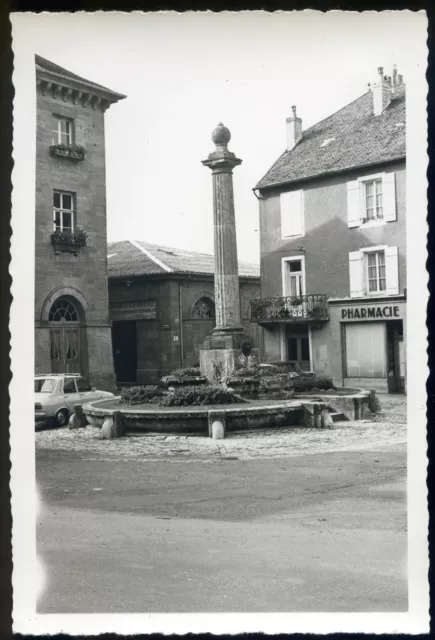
(63,131)
(327,141)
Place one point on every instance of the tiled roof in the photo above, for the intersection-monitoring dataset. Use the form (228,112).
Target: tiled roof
(352,137)
(128,258)
(46,65)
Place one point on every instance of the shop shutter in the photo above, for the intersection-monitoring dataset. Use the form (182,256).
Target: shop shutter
(392,270)
(389,196)
(353,204)
(355,274)
(365,350)
(292,214)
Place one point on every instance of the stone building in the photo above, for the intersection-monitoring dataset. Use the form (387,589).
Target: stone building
(162,307)
(72,328)
(333,245)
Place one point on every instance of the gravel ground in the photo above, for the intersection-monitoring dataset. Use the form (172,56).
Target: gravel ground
(388,428)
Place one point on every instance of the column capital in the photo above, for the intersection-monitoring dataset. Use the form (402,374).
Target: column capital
(221,160)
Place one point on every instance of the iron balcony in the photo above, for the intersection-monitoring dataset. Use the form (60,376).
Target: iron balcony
(308,308)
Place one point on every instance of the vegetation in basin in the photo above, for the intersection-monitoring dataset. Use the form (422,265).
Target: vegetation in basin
(188,372)
(302,384)
(194,396)
(261,371)
(141,395)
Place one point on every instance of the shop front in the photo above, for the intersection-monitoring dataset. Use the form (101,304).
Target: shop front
(371,334)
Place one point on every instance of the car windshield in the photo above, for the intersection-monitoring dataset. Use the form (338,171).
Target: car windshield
(44,385)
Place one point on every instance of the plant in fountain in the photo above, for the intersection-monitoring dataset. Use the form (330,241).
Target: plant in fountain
(200,396)
(141,395)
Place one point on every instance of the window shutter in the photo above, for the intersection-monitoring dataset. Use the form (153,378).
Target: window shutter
(285,216)
(292,215)
(301,213)
(392,270)
(389,196)
(355,274)
(353,204)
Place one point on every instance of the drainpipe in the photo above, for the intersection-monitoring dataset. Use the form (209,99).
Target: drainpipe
(180,315)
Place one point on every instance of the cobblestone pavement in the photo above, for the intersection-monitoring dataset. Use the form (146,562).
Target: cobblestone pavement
(386,429)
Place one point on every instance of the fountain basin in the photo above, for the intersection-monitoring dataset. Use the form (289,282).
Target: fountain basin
(305,409)
(195,419)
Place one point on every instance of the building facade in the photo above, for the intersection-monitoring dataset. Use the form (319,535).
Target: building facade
(333,244)
(72,326)
(162,308)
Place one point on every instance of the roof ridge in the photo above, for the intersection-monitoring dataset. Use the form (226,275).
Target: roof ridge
(199,253)
(163,247)
(151,256)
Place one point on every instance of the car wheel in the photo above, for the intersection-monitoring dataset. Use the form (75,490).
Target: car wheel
(61,417)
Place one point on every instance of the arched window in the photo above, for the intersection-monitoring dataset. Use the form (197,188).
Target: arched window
(204,309)
(63,310)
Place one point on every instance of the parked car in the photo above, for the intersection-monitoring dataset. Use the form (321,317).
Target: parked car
(57,393)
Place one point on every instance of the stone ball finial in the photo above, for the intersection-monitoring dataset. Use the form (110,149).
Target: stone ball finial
(221,135)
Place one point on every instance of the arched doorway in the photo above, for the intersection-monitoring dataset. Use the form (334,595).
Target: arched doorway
(65,336)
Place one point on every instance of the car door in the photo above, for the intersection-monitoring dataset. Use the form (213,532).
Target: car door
(70,393)
(85,391)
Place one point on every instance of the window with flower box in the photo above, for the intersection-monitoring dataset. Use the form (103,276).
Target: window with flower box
(63,131)
(63,211)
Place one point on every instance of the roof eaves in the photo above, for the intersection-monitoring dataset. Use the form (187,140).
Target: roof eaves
(76,81)
(332,172)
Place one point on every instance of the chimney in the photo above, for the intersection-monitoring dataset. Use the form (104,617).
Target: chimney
(294,130)
(381,92)
(394,81)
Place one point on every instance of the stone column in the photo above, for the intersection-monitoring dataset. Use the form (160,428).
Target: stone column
(228,347)
(227,301)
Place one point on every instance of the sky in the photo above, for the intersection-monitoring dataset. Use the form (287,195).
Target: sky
(184,73)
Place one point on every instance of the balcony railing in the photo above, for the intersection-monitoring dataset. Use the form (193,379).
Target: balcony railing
(310,308)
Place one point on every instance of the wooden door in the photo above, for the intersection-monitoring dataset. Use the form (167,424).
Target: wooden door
(298,351)
(65,349)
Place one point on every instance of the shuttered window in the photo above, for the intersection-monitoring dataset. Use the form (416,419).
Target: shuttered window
(371,199)
(373,272)
(292,214)
(366,350)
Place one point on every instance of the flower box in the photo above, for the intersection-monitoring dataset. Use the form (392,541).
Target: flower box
(68,242)
(73,151)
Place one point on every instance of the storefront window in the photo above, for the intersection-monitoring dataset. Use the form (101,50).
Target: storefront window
(366,355)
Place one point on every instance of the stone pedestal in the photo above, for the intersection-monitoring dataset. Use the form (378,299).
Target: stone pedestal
(222,354)
(228,348)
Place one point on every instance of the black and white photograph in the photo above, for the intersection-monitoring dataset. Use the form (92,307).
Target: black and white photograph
(218,326)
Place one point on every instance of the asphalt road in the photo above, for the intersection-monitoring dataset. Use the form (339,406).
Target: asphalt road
(323,532)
